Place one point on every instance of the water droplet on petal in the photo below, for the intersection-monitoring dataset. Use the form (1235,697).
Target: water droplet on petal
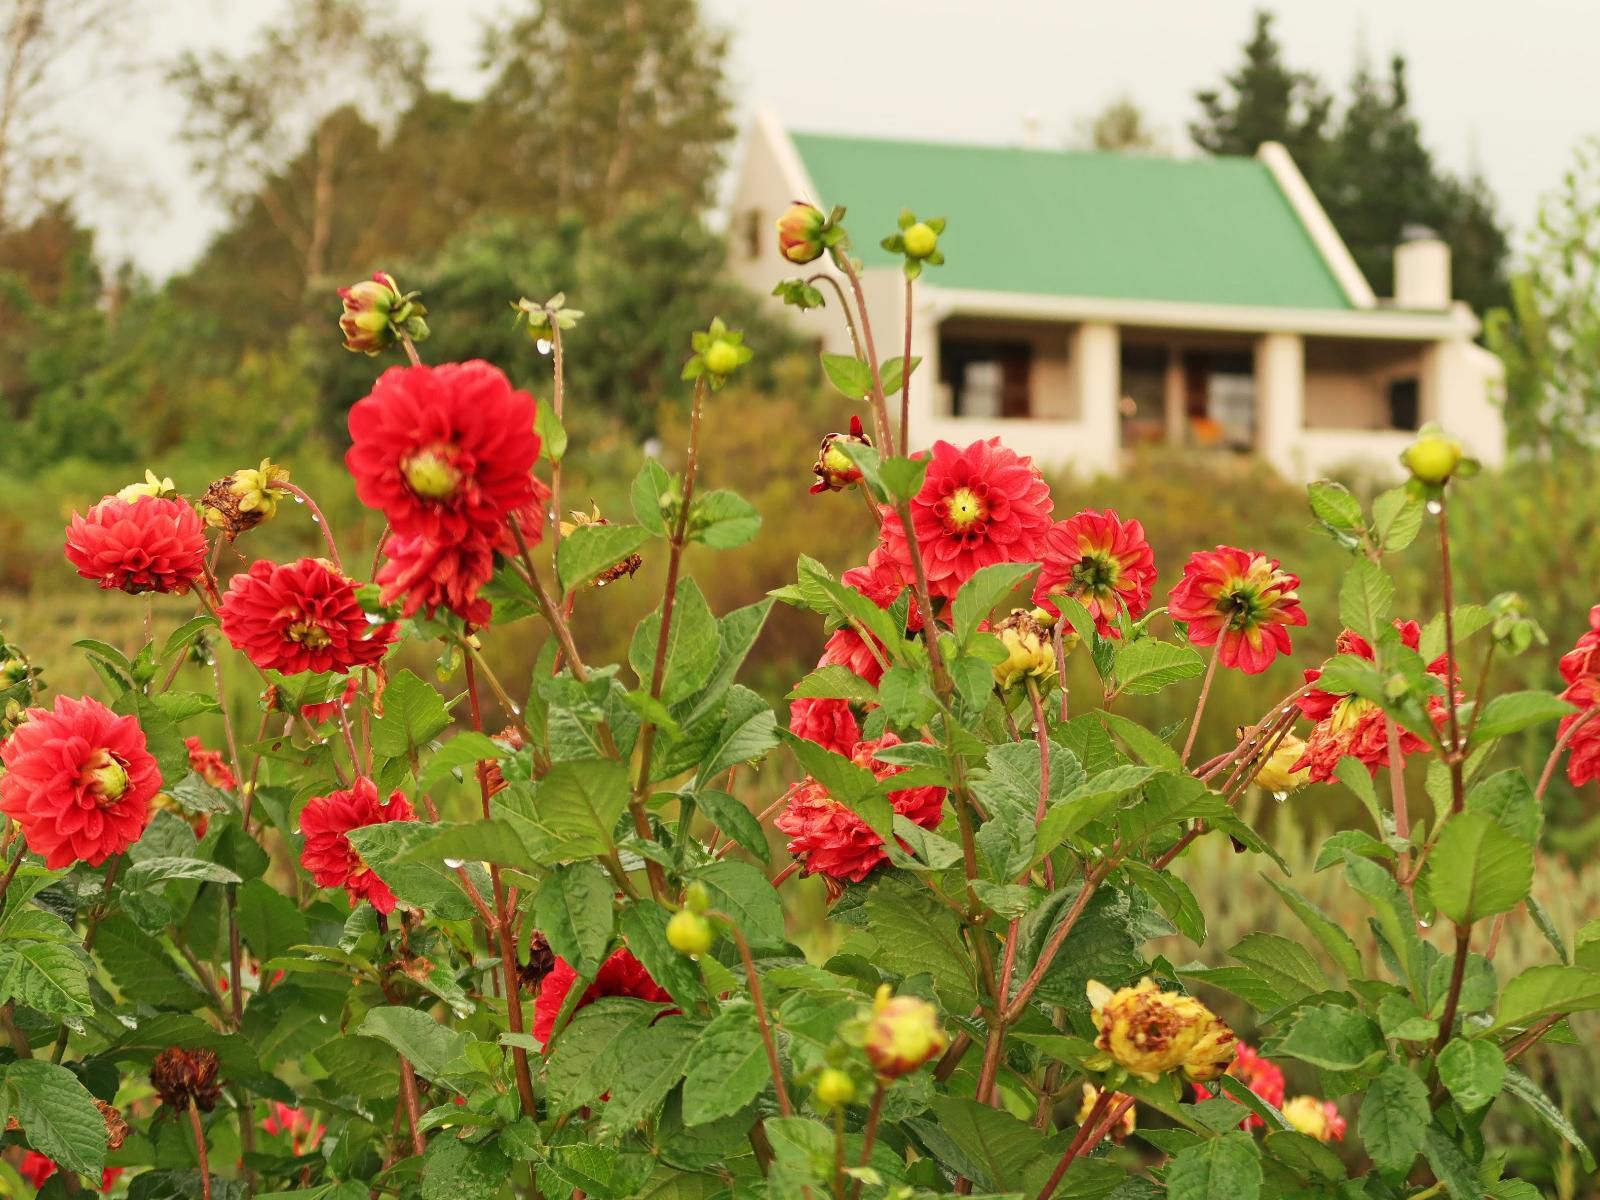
(516,710)
(1435,507)
(1424,923)
(1280,797)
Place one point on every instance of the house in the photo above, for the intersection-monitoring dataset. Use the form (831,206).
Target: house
(1093,303)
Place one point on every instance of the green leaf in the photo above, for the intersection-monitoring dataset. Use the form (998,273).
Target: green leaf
(1512,711)
(723,520)
(1365,598)
(48,976)
(1335,506)
(1450,1166)
(992,1144)
(591,549)
(180,637)
(1146,666)
(736,821)
(644,926)
(458,1170)
(552,434)
(1286,965)
(746,895)
(987,587)
(1474,1071)
(583,800)
(834,682)
(692,644)
(1508,798)
(1173,895)
(1146,746)
(726,1068)
(1478,869)
(153,871)
(1397,518)
(573,910)
(1529,1092)
(1395,919)
(58,1115)
(1544,991)
(141,967)
(655,1060)
(413,715)
(1394,1118)
(893,373)
(1465,619)
(1223,1168)
(429,1046)
(593,1049)
(1330,936)
(464,750)
(851,376)
(650,485)
(903,477)
(1334,1038)
(749,729)
(917,935)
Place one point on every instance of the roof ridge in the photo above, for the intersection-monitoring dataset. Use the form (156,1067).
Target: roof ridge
(934,143)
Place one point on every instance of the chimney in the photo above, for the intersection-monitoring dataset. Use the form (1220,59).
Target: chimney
(1421,269)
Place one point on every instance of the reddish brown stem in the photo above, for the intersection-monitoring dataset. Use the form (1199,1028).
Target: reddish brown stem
(869,1137)
(1205,691)
(1019,1003)
(753,980)
(200,1149)
(408,1092)
(905,377)
(321,521)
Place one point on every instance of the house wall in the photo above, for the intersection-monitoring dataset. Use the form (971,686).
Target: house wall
(1051,383)
(1347,381)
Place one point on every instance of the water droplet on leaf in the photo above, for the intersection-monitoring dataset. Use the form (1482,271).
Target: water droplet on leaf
(1435,507)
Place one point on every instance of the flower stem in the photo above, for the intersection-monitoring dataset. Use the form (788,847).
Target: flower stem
(502,924)
(754,982)
(1458,749)
(200,1149)
(1090,1134)
(905,376)
(880,414)
(844,306)
(869,1136)
(11,871)
(1529,1036)
(557,398)
(658,674)
(410,348)
(322,522)
(1205,691)
(1458,974)
(1019,1003)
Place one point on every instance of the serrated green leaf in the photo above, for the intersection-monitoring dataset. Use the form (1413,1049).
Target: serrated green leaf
(590,549)
(1146,666)
(726,1067)
(58,1114)
(1366,598)
(413,715)
(1394,1118)
(1474,1071)
(1478,869)
(574,912)
(1222,1168)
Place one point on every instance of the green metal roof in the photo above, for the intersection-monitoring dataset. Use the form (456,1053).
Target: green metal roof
(1081,223)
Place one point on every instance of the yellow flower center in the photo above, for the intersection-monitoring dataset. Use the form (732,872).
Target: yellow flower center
(104,777)
(307,634)
(432,475)
(964,509)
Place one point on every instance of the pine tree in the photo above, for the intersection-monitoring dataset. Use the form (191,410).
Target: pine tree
(1264,101)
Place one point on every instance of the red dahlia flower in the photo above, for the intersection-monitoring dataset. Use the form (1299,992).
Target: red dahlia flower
(444,451)
(35,1168)
(1242,597)
(1347,725)
(830,839)
(79,781)
(829,723)
(428,574)
(145,545)
(326,822)
(300,616)
(303,1129)
(210,765)
(977,507)
(620,975)
(1101,561)
(1262,1076)
(1580,667)
(317,713)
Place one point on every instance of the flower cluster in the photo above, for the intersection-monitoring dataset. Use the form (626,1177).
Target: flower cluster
(1354,726)
(1240,601)
(326,822)
(1101,561)
(830,839)
(447,454)
(301,616)
(1580,668)
(620,975)
(144,544)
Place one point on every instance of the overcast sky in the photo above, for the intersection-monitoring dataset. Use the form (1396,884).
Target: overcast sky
(1509,88)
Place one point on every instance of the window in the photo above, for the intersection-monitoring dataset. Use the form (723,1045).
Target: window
(750,232)
(987,377)
(1143,405)
(1405,402)
(1220,399)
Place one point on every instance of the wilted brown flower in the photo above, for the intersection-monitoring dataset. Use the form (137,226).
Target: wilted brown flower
(180,1075)
(541,961)
(116,1127)
(241,501)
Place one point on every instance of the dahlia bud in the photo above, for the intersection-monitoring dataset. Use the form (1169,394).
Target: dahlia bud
(626,566)
(834,1089)
(1433,457)
(1278,775)
(1149,1032)
(918,241)
(836,470)
(376,313)
(695,897)
(1315,1118)
(800,232)
(151,489)
(689,933)
(718,352)
(1029,653)
(904,1033)
(180,1075)
(1126,1124)
(239,502)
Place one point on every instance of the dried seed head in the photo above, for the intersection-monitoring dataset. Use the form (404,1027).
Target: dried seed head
(180,1075)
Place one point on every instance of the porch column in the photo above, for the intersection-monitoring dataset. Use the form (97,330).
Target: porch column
(1175,399)
(1280,400)
(1096,357)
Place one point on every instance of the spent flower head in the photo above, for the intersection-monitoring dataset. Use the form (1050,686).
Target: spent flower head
(239,502)
(1029,651)
(541,318)
(1148,1032)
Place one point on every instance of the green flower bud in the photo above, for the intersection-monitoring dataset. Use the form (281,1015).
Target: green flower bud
(834,1090)
(689,933)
